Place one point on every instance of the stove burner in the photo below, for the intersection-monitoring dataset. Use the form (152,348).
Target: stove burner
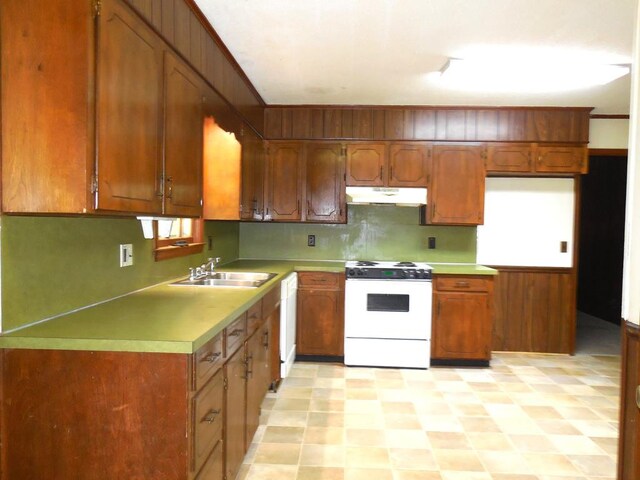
(365,263)
(405,264)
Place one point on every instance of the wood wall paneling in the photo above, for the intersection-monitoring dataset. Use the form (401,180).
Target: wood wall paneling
(534,310)
(568,125)
(629,438)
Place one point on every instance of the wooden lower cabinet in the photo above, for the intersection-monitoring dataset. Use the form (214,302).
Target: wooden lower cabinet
(535,310)
(320,314)
(462,320)
(236,407)
(629,440)
(103,415)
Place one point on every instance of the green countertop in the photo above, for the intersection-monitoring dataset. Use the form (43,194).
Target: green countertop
(170,319)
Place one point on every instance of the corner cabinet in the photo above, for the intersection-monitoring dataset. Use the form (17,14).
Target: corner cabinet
(320,314)
(305,182)
(137,415)
(462,320)
(284,181)
(325,183)
(130,138)
(456,187)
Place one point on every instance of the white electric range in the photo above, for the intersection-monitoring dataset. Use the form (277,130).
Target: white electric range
(388,314)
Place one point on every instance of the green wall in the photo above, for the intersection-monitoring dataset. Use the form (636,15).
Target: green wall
(372,232)
(51,265)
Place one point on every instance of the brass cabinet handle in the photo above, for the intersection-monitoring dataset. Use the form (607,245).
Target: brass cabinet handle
(462,284)
(638,396)
(236,332)
(265,342)
(212,357)
(380,172)
(210,416)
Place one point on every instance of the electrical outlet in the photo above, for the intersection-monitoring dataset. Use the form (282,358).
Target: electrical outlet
(126,255)
(432,243)
(311,240)
(563,247)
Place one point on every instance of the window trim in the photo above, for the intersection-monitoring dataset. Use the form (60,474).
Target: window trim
(164,248)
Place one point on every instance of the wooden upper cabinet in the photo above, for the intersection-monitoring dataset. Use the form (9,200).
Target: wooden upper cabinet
(183,139)
(366,164)
(456,191)
(408,165)
(325,189)
(532,158)
(561,159)
(129,113)
(509,157)
(221,160)
(284,181)
(253,165)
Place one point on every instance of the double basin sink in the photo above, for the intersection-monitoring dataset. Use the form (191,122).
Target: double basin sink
(228,279)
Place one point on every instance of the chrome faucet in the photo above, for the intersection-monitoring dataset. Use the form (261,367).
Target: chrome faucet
(205,269)
(210,266)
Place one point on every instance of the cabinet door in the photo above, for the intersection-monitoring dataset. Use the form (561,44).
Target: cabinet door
(366,164)
(325,188)
(213,469)
(509,157)
(320,323)
(408,165)
(284,182)
(252,202)
(129,112)
(183,138)
(235,410)
(456,193)
(561,159)
(258,378)
(461,326)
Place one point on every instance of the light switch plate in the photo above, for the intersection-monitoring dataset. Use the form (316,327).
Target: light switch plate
(126,255)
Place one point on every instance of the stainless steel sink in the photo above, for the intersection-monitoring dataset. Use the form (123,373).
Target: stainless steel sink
(228,279)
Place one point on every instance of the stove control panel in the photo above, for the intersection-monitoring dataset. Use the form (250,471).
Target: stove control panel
(363,273)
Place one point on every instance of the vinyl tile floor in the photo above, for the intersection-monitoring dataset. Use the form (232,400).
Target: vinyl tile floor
(528,417)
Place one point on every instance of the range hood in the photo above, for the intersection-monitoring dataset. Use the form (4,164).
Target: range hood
(406,197)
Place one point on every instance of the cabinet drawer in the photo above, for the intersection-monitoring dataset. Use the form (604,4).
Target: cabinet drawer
(463,284)
(207,419)
(207,361)
(254,317)
(319,280)
(213,468)
(270,301)
(235,334)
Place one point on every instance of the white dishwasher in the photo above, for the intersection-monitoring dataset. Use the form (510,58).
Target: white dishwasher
(288,305)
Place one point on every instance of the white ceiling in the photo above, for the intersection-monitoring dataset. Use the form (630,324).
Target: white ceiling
(378,52)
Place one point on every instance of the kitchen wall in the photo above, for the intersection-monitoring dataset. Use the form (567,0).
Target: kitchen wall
(372,232)
(52,265)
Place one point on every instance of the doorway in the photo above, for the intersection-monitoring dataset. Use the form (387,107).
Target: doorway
(601,237)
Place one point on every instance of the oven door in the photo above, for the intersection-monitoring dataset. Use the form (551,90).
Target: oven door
(388,309)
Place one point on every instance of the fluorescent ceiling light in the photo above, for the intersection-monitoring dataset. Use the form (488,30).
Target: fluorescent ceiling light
(525,75)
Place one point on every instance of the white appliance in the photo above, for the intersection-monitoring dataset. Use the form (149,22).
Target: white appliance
(288,298)
(528,222)
(388,314)
(409,197)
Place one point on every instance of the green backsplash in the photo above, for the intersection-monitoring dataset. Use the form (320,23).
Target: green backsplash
(372,232)
(52,265)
